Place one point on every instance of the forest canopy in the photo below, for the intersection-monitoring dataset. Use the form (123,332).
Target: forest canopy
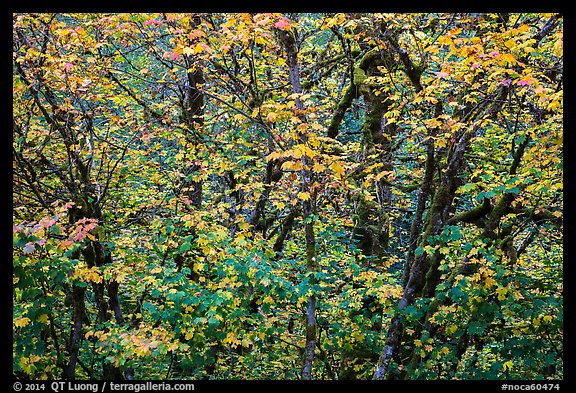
(287,196)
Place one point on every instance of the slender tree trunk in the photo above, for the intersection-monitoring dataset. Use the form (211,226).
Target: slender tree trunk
(423,273)
(289,43)
(193,116)
(417,223)
(78,317)
(192,113)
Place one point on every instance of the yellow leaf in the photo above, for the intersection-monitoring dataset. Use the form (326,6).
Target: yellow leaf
(507,58)
(189,334)
(418,343)
(523,28)
(316,127)
(445,40)
(273,156)
(318,167)
(304,196)
(229,23)
(93,276)
(338,170)
(199,48)
(510,44)
(508,365)
(299,151)
(489,282)
(382,174)
(296,166)
(43,318)
(501,292)
(188,51)
(26,366)
(553,105)
(21,322)
(314,141)
(309,152)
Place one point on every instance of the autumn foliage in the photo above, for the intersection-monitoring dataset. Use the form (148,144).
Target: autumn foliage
(287,196)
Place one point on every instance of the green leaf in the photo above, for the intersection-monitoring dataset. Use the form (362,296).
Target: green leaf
(184,247)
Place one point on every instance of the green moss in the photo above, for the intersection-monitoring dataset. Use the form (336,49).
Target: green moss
(359,76)
(473,214)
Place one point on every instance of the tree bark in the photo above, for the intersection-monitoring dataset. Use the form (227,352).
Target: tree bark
(289,44)
(423,274)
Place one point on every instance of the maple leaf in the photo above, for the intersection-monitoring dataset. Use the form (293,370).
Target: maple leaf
(283,24)
(318,167)
(489,282)
(501,292)
(508,365)
(21,322)
(304,196)
(523,82)
(338,169)
(152,22)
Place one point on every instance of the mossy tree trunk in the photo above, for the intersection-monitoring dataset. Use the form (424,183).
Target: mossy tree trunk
(373,224)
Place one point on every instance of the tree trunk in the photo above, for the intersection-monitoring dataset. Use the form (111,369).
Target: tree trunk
(378,139)
(423,274)
(289,43)
(193,116)
(78,317)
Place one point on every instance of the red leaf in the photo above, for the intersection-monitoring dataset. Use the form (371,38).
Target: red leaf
(283,24)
